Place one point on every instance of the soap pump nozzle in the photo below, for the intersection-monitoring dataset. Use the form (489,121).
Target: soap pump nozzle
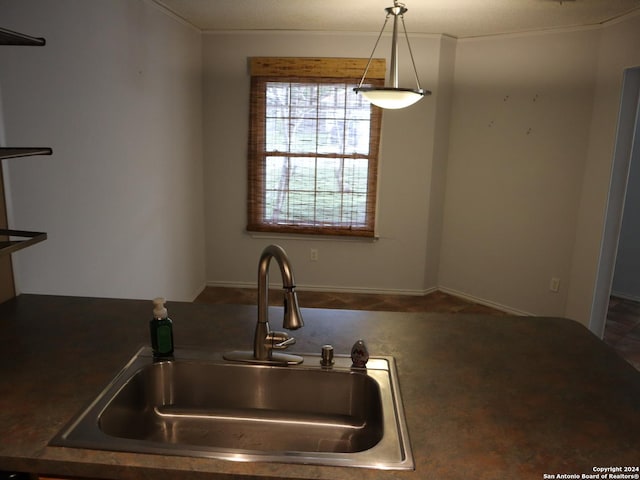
(161,330)
(159,310)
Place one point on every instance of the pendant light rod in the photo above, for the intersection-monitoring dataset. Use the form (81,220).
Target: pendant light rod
(366,69)
(396,11)
(413,62)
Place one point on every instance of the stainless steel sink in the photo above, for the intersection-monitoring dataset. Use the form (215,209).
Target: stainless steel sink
(200,405)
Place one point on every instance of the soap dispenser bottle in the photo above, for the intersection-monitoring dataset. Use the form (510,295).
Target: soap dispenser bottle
(161,329)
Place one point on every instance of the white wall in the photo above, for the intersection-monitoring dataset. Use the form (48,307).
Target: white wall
(412,152)
(116,93)
(519,133)
(532,140)
(594,253)
(437,177)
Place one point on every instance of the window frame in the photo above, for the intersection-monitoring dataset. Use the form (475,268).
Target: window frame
(316,71)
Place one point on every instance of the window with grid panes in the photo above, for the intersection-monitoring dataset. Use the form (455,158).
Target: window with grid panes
(313,147)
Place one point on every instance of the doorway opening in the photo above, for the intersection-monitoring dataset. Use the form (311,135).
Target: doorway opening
(614,318)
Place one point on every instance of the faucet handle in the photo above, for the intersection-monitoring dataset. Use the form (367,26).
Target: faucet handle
(279,340)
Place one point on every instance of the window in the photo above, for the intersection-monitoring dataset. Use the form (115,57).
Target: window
(313,147)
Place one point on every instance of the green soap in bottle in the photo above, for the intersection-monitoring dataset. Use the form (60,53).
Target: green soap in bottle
(161,329)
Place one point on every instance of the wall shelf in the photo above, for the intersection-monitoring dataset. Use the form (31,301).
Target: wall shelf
(9,37)
(31,238)
(10,246)
(14,240)
(6,152)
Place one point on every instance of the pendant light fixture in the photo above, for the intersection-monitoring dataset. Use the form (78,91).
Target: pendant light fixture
(393,96)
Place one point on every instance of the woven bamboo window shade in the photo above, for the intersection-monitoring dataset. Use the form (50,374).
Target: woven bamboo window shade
(313,146)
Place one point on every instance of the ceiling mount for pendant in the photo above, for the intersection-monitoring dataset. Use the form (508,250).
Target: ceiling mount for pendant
(393,96)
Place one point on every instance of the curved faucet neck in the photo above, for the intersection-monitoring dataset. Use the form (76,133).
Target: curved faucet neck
(288,282)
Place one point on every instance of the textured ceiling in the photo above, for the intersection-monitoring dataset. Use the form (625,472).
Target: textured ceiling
(458,18)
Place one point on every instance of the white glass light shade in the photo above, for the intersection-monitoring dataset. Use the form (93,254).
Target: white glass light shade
(392,98)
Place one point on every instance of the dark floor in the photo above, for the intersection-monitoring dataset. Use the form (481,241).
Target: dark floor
(622,330)
(434,302)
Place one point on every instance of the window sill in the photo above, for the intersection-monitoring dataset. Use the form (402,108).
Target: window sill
(311,236)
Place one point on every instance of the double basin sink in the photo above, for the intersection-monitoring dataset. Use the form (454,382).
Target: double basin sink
(200,405)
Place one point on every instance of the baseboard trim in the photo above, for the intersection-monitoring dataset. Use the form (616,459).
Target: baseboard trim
(486,303)
(210,283)
(375,291)
(626,296)
(327,288)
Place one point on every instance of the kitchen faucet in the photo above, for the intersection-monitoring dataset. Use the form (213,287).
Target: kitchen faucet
(266,341)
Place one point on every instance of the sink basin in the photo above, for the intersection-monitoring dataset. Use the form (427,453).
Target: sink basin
(200,405)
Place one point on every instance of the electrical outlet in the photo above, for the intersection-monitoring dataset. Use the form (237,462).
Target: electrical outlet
(554,285)
(313,254)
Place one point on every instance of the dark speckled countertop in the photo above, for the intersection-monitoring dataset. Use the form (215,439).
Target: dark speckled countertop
(485,397)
